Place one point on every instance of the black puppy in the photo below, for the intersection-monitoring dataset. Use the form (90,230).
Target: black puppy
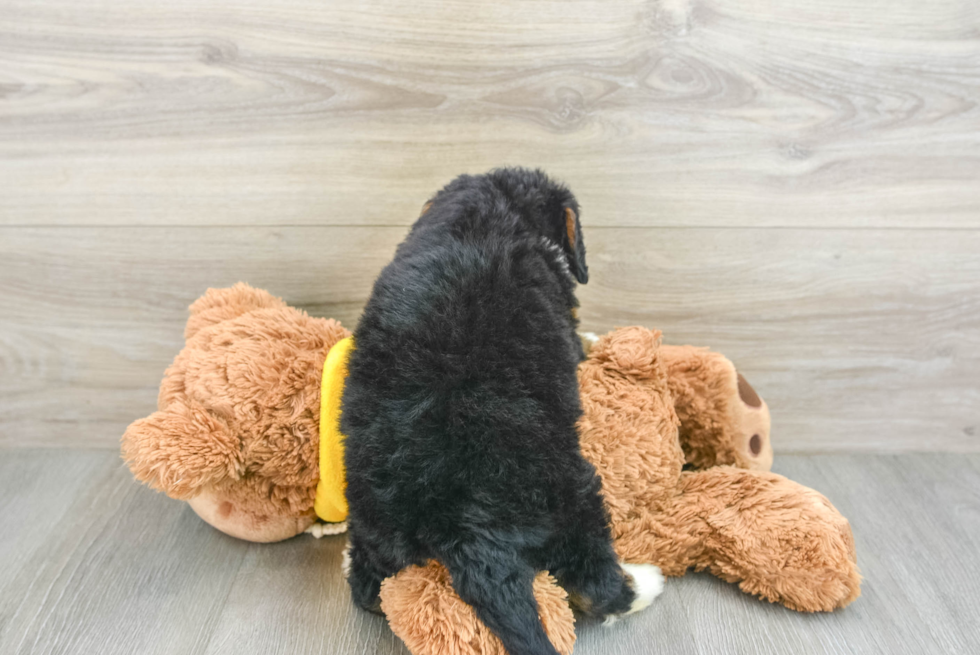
(460,408)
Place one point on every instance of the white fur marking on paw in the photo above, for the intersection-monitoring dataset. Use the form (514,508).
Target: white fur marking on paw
(326,529)
(345,562)
(591,337)
(648,582)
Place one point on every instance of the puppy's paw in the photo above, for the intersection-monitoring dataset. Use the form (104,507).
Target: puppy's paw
(648,582)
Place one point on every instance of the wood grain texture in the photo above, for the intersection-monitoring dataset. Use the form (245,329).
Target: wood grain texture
(793,183)
(113,568)
(662,112)
(96,315)
(859,340)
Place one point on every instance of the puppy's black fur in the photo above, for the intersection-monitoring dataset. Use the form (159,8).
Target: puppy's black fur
(460,410)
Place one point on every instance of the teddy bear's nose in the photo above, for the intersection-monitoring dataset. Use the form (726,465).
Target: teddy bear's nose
(755,444)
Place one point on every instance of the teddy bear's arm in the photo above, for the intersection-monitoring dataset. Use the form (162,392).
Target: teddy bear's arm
(774,537)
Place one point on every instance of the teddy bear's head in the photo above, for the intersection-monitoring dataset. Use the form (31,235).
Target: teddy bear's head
(723,420)
(237,429)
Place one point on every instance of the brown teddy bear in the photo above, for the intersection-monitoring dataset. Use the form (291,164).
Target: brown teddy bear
(680,439)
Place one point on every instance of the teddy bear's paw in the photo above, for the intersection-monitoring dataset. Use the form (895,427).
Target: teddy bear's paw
(648,582)
(326,529)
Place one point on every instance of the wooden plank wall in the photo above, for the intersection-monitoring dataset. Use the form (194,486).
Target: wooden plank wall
(795,183)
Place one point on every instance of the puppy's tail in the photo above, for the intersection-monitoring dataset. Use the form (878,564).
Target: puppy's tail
(498,585)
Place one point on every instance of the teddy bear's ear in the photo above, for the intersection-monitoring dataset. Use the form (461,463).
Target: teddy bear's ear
(181,450)
(218,305)
(633,351)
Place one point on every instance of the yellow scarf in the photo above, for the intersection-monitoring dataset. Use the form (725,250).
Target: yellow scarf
(330,503)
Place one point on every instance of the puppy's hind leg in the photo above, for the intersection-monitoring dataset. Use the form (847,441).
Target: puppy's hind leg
(583,562)
(497,583)
(648,582)
(599,585)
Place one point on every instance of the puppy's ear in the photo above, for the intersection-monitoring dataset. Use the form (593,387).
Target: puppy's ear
(575,246)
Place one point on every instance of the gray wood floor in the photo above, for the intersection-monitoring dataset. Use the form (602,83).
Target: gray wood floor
(94,563)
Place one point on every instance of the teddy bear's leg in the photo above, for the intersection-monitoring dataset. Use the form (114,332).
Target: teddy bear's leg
(723,420)
(427,614)
(181,450)
(774,537)
(218,305)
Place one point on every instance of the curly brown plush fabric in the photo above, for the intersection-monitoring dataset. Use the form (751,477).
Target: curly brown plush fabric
(238,423)
(777,539)
(430,620)
(236,434)
(723,419)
